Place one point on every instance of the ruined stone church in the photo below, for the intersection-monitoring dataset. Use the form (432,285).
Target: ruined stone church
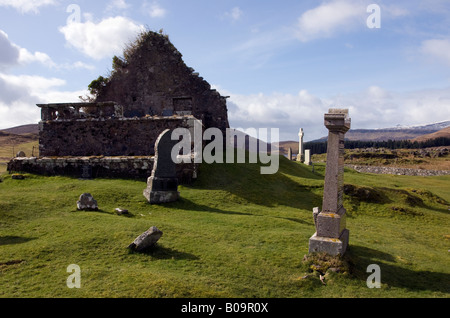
(150,89)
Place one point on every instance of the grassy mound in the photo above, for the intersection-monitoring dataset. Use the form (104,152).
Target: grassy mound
(233,233)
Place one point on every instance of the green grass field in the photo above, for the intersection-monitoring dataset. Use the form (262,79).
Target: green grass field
(233,233)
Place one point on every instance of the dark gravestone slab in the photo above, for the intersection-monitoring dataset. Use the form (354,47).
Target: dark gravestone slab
(162,185)
(86,172)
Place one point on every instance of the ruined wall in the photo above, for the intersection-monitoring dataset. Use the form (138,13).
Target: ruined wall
(398,171)
(104,136)
(153,79)
(149,90)
(114,167)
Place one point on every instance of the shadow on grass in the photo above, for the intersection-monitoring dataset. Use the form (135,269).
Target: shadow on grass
(186,204)
(360,257)
(126,215)
(244,180)
(297,220)
(161,252)
(9,240)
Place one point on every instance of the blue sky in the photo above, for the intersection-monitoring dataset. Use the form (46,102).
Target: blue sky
(283,63)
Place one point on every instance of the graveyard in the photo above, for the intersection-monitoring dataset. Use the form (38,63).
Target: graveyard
(232,233)
(105,182)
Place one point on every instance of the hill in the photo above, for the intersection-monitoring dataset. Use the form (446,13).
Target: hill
(24,129)
(385,134)
(440,133)
(285,145)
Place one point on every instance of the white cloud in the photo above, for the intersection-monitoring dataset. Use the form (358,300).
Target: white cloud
(287,112)
(13,55)
(374,107)
(235,14)
(77,65)
(392,10)
(19,95)
(9,54)
(36,85)
(27,6)
(154,9)
(117,4)
(377,107)
(328,18)
(437,49)
(26,57)
(103,39)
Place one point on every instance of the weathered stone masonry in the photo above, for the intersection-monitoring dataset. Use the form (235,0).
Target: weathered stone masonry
(149,91)
(100,166)
(154,79)
(84,135)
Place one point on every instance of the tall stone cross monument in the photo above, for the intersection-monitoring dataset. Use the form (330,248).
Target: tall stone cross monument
(331,235)
(300,156)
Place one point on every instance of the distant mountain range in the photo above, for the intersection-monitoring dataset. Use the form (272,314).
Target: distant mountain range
(435,126)
(414,133)
(395,133)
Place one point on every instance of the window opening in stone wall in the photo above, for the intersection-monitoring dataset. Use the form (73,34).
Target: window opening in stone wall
(182,105)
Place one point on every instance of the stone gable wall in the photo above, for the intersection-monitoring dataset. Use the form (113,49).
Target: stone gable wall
(155,79)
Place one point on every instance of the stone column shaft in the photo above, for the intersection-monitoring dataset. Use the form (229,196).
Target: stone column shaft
(331,235)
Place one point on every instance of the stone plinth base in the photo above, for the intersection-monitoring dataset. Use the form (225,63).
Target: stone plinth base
(156,197)
(331,224)
(161,190)
(331,246)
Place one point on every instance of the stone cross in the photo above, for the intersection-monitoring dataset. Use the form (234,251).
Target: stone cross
(162,185)
(300,146)
(331,235)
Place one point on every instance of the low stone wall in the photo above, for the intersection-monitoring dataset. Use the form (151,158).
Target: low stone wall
(398,171)
(95,167)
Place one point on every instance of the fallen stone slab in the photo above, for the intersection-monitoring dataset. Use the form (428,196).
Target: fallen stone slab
(120,211)
(146,240)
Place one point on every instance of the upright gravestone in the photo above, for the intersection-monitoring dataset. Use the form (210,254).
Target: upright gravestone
(162,185)
(289,153)
(307,157)
(300,146)
(331,235)
(86,172)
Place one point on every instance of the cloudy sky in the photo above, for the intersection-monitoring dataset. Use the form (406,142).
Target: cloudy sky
(283,63)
